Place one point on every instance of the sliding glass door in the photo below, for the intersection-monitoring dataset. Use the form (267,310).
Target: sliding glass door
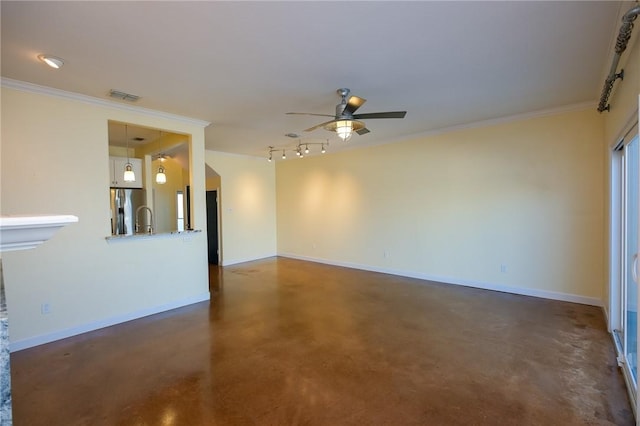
(630,285)
(625,218)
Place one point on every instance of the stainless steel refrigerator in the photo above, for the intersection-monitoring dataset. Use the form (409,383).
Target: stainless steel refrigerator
(124,203)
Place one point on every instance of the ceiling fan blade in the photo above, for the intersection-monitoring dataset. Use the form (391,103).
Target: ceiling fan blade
(389,114)
(311,129)
(309,113)
(353,104)
(363,131)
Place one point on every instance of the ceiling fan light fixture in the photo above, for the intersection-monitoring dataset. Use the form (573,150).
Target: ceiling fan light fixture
(344,128)
(52,61)
(345,121)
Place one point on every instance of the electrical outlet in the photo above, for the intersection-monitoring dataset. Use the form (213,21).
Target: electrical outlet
(386,254)
(45,308)
(503,268)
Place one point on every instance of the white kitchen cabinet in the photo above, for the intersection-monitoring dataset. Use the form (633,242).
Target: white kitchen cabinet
(116,170)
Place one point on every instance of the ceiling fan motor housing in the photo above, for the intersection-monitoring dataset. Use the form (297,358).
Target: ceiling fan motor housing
(340,111)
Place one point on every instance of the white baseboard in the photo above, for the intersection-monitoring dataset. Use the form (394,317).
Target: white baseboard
(605,312)
(236,261)
(545,294)
(84,328)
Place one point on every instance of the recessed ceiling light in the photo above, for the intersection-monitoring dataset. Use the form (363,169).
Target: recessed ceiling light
(52,61)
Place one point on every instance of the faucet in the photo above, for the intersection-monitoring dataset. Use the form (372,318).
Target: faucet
(150,226)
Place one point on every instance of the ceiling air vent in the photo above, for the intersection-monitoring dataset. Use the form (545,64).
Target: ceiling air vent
(123,96)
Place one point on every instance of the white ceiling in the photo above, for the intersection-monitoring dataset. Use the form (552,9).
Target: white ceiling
(243,65)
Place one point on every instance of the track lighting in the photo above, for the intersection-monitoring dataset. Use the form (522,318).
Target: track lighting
(300,152)
(270,159)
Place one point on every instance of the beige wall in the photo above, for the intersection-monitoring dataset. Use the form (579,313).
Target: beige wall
(457,206)
(247,206)
(55,161)
(213,183)
(165,213)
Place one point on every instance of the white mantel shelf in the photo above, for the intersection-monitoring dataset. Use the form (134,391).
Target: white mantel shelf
(27,232)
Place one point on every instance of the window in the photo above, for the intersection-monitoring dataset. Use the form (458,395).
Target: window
(180,210)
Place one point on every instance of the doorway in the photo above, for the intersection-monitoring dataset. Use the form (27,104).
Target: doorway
(212,228)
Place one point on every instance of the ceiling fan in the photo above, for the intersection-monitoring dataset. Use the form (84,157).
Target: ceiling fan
(345,122)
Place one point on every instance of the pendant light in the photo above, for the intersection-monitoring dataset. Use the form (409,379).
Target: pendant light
(129,175)
(161,177)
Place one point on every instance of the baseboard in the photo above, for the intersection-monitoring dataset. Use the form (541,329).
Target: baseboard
(248,259)
(84,328)
(605,313)
(545,294)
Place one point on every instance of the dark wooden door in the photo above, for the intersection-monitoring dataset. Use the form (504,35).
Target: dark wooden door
(212,226)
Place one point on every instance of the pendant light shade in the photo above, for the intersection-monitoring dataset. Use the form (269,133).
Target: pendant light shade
(161,178)
(129,175)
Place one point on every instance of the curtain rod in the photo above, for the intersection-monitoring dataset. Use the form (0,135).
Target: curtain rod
(621,44)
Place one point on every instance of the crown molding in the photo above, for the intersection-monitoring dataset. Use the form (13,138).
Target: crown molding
(515,117)
(63,94)
(480,124)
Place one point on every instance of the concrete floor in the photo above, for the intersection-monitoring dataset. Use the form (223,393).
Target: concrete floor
(286,342)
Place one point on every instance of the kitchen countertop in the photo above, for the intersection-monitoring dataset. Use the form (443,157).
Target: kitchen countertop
(138,237)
